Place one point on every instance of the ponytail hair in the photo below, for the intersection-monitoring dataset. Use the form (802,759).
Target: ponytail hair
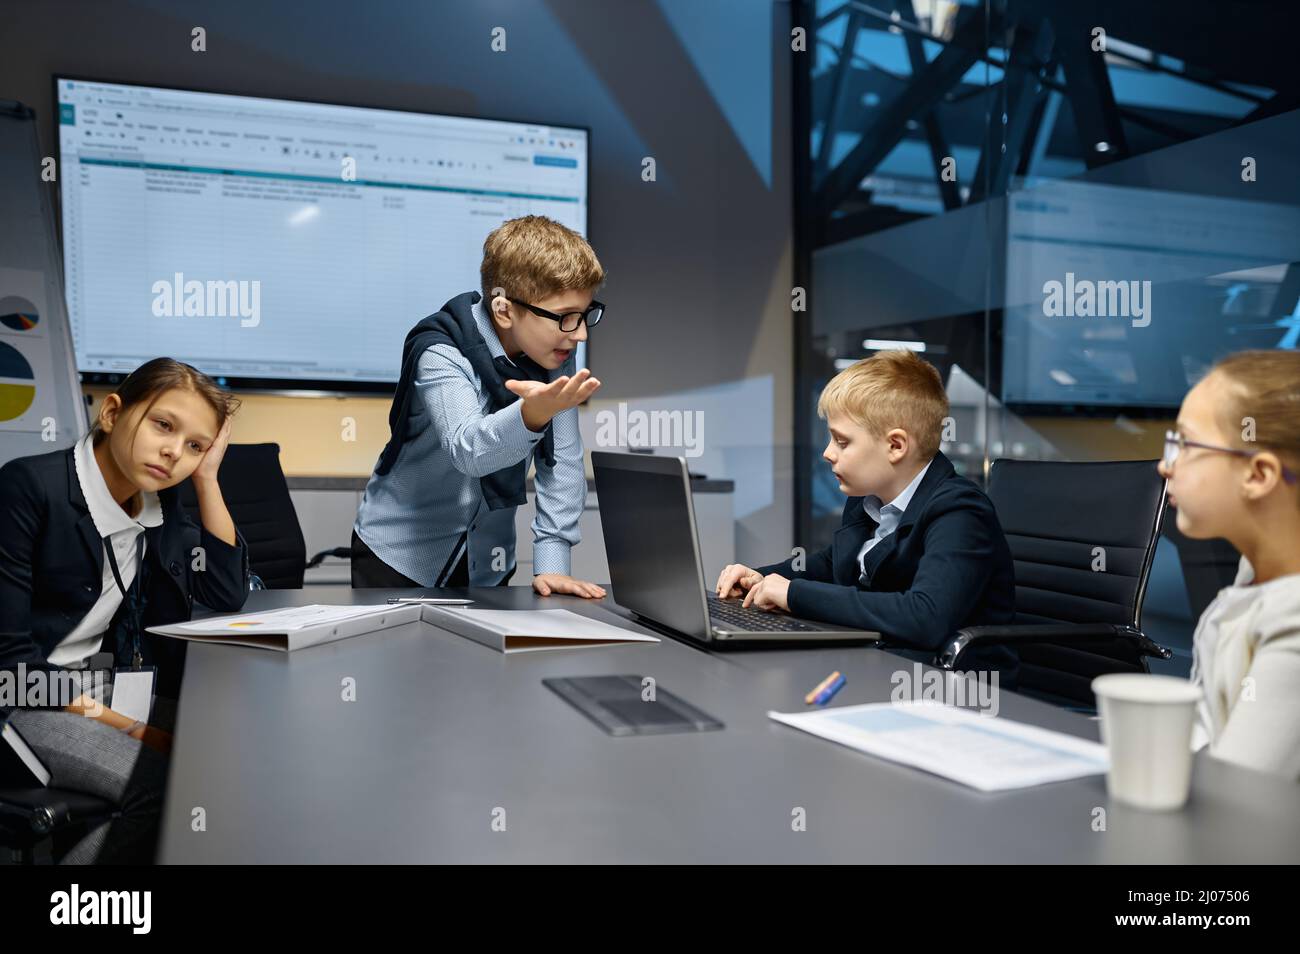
(1262,411)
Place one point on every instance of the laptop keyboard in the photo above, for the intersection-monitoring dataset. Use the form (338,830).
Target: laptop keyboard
(729,614)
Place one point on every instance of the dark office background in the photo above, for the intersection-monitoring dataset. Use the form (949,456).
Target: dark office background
(822,169)
(1122,166)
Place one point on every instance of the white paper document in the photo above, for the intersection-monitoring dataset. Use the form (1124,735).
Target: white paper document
(133,694)
(519,631)
(988,753)
(293,627)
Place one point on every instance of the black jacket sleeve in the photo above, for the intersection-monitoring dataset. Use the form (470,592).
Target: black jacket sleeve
(950,577)
(222,583)
(23,509)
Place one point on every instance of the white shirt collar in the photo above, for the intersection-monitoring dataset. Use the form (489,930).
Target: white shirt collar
(107,513)
(872,504)
(488,330)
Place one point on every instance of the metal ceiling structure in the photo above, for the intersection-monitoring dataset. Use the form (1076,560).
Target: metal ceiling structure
(892,91)
(1029,49)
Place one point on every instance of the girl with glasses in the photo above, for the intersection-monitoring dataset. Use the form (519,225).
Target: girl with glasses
(1232,466)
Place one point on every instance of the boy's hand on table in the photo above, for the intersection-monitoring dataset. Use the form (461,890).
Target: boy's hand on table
(770,593)
(541,402)
(735,579)
(548,583)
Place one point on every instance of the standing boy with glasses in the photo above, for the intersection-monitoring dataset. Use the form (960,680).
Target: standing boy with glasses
(488,383)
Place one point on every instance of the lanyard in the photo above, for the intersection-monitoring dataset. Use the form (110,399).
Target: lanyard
(129,597)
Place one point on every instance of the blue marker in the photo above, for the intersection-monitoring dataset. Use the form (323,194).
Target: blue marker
(827,694)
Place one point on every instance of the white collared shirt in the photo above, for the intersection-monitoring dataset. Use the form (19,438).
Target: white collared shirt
(113,526)
(887,517)
(1246,664)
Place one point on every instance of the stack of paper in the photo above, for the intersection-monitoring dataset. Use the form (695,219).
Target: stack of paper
(987,753)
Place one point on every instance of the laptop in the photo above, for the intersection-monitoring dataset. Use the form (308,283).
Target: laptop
(648,520)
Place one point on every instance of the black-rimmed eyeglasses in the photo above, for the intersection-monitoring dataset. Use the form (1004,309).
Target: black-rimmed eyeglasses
(1176,443)
(570,319)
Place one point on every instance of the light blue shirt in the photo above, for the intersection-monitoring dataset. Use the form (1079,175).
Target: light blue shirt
(887,517)
(413,516)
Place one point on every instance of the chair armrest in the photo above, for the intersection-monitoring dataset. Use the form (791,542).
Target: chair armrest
(43,810)
(1071,634)
(343,553)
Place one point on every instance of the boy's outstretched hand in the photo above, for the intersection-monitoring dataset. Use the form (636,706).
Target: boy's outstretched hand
(547,583)
(541,402)
(735,579)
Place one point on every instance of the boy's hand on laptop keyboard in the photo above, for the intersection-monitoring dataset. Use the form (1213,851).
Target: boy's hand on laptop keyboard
(769,594)
(735,579)
(547,583)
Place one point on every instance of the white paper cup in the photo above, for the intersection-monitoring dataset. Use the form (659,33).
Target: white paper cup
(1146,724)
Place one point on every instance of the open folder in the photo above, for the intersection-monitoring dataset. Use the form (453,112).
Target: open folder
(507,631)
(522,631)
(294,627)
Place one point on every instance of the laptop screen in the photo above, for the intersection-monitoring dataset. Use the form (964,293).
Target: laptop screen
(650,539)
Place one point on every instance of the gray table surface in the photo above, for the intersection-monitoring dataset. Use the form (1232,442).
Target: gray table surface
(446,736)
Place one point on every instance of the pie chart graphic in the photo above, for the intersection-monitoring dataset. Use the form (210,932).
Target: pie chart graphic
(17,383)
(18,314)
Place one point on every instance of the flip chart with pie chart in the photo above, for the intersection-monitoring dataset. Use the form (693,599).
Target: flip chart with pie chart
(27,383)
(41,404)
(17,383)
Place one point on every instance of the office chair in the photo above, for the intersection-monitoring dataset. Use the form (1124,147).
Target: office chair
(38,824)
(257,496)
(1208,566)
(342,553)
(1083,537)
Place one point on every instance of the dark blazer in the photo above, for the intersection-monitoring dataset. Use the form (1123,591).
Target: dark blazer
(52,564)
(946,565)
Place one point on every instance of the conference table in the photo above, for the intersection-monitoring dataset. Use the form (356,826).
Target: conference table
(415,745)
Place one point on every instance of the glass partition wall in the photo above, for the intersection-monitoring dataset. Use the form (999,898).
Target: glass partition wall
(1071,208)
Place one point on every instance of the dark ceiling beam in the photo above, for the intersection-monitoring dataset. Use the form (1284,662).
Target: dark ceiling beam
(1092,98)
(1239,41)
(1030,51)
(949,189)
(890,122)
(839,82)
(1279,103)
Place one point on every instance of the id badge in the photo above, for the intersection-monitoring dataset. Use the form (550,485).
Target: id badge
(133,692)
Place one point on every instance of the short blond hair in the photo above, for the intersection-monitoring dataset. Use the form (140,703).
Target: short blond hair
(533,257)
(887,390)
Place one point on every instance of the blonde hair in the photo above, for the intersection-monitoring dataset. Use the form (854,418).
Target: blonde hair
(1263,400)
(891,389)
(533,257)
